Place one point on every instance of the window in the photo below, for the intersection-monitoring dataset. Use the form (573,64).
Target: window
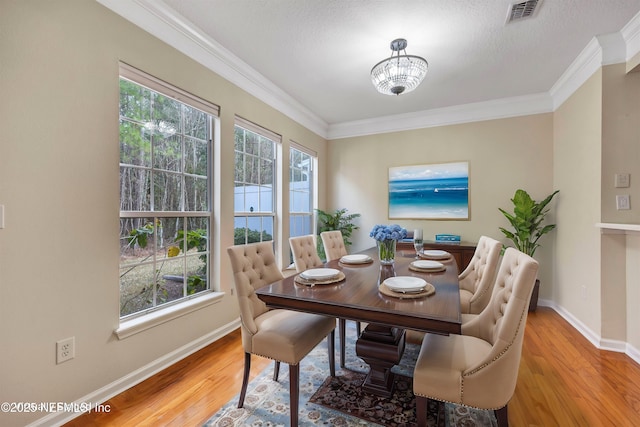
(301,182)
(255,183)
(165,193)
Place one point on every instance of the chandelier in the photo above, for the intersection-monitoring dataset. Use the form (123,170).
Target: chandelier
(399,74)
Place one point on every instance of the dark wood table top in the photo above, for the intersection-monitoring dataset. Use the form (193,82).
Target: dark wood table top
(357,296)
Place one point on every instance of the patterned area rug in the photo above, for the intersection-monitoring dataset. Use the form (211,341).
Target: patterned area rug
(326,401)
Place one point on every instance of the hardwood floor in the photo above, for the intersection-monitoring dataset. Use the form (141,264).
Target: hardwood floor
(563,381)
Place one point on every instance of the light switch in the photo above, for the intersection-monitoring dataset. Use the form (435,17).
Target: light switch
(622,180)
(622,202)
(1,216)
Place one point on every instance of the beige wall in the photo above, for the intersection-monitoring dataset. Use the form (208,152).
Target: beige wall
(596,132)
(620,141)
(59,185)
(620,154)
(503,155)
(577,162)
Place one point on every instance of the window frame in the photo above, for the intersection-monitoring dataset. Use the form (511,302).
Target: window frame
(148,317)
(313,156)
(248,214)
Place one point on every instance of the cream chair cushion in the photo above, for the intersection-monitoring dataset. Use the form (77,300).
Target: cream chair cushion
(288,336)
(333,244)
(480,368)
(476,281)
(305,253)
(276,334)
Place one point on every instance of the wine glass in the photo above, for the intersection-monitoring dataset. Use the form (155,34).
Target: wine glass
(417,241)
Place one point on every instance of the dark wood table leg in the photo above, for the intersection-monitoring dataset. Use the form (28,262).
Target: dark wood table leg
(381,347)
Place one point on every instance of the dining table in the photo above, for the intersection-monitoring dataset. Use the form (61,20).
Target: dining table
(361,294)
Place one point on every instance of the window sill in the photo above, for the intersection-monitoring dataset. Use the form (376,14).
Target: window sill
(142,323)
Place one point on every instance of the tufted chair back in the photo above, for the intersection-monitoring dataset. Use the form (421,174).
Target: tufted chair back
(502,325)
(254,266)
(333,243)
(305,254)
(476,281)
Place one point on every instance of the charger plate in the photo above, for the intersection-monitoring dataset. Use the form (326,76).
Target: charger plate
(428,290)
(312,282)
(426,266)
(356,259)
(434,254)
(320,273)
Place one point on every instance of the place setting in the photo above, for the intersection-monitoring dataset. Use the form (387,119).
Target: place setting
(319,276)
(356,259)
(434,254)
(405,287)
(427,266)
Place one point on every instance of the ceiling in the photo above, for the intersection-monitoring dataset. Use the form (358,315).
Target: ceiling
(320,52)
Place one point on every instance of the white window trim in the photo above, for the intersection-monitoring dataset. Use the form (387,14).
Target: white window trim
(139,324)
(142,321)
(167,89)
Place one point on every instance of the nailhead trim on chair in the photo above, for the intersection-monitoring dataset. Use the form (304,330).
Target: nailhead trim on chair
(499,355)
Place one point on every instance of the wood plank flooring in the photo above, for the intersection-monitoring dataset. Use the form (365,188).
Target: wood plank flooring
(563,381)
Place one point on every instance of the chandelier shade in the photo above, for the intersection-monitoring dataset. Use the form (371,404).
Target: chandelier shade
(400,73)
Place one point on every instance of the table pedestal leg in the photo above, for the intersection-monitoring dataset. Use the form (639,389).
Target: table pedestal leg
(381,347)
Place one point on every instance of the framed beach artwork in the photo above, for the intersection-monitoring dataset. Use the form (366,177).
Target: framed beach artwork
(436,191)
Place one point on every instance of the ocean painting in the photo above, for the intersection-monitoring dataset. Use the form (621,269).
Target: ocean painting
(438,191)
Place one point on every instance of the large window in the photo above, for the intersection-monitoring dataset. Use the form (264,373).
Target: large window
(165,193)
(254,183)
(301,183)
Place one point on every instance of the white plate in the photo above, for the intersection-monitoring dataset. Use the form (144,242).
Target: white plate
(435,254)
(424,264)
(405,283)
(320,273)
(355,259)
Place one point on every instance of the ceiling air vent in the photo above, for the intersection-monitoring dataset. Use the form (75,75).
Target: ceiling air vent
(525,9)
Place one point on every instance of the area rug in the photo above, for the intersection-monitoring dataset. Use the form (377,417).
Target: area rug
(326,401)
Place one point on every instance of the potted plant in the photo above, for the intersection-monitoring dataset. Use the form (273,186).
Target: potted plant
(338,220)
(527,222)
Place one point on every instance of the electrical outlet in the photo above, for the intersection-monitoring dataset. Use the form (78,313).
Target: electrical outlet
(65,349)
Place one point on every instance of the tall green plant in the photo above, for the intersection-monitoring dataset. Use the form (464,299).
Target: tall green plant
(526,221)
(338,220)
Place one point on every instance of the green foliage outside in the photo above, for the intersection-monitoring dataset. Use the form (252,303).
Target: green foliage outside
(253,236)
(139,237)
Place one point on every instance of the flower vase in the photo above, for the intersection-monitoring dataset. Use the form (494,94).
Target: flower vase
(387,251)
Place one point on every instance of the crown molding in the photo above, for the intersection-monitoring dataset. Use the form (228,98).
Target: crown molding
(475,112)
(631,35)
(162,22)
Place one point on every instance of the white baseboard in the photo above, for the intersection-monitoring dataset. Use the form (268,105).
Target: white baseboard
(118,386)
(593,337)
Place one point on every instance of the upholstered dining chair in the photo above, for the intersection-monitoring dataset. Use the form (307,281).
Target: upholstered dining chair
(333,243)
(476,282)
(282,335)
(480,368)
(305,256)
(304,252)
(477,279)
